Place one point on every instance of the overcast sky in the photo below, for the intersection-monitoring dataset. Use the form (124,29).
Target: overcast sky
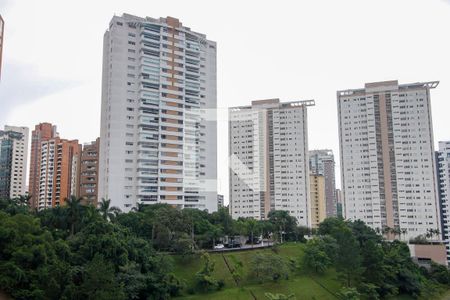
(292,50)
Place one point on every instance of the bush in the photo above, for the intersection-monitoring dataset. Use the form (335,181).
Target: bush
(267,266)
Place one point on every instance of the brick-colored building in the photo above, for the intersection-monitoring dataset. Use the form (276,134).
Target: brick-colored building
(59,171)
(42,132)
(89,172)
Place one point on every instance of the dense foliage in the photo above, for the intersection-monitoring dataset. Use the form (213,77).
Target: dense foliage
(83,252)
(369,266)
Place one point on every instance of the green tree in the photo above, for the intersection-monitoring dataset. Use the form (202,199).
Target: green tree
(204,277)
(348,293)
(107,211)
(73,205)
(348,257)
(315,257)
(251,227)
(99,282)
(283,224)
(268,266)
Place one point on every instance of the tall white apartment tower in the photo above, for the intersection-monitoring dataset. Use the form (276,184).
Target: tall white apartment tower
(387,156)
(443,170)
(269,165)
(158,129)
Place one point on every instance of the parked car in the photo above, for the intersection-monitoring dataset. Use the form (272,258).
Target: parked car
(219,246)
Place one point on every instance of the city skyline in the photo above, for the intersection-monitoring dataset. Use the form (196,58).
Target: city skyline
(332,67)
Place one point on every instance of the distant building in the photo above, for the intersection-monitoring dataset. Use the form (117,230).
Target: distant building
(387,156)
(443,169)
(321,162)
(158,133)
(220,202)
(13,161)
(269,164)
(339,201)
(42,132)
(318,200)
(89,172)
(59,171)
(2,33)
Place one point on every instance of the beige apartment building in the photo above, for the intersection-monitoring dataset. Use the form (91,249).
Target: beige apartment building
(387,156)
(269,163)
(318,200)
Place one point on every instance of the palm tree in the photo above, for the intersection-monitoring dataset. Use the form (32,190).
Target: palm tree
(386,230)
(436,232)
(106,211)
(430,233)
(73,205)
(251,225)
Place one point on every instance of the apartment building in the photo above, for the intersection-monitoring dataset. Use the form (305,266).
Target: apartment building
(443,171)
(13,161)
(42,132)
(321,162)
(89,172)
(387,156)
(220,201)
(318,199)
(269,164)
(339,201)
(158,140)
(59,171)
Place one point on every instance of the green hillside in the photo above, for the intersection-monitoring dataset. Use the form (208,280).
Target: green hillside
(302,285)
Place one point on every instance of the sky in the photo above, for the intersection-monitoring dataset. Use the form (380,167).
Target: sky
(291,50)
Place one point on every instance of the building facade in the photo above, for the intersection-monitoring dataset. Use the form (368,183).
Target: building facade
(2,33)
(339,202)
(158,140)
(59,171)
(318,199)
(89,172)
(321,162)
(220,201)
(443,169)
(387,156)
(269,165)
(42,132)
(13,161)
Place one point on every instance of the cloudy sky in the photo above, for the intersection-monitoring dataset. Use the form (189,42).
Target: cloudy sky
(291,50)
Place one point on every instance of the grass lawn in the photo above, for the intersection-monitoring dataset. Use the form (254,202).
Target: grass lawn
(304,287)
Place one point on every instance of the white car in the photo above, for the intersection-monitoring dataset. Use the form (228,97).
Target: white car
(219,246)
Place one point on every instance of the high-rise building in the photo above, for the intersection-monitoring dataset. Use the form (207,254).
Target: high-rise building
(318,200)
(2,33)
(158,138)
(321,162)
(269,164)
(387,156)
(42,132)
(339,201)
(13,161)
(443,169)
(220,202)
(59,171)
(89,172)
